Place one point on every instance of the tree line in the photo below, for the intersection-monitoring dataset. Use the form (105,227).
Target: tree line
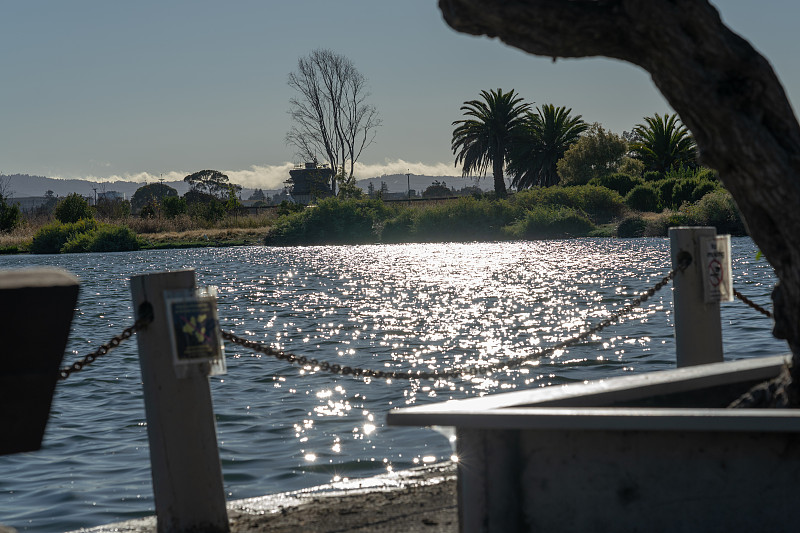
(550,146)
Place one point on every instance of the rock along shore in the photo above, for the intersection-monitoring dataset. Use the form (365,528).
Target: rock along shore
(417,500)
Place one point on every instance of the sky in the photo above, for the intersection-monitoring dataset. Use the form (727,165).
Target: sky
(108,90)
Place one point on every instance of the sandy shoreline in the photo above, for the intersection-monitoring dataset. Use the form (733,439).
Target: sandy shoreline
(420,499)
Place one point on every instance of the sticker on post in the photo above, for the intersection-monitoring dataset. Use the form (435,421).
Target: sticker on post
(194,330)
(717,282)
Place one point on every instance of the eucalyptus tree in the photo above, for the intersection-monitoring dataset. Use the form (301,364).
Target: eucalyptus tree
(211,182)
(488,136)
(663,143)
(330,114)
(544,138)
(723,89)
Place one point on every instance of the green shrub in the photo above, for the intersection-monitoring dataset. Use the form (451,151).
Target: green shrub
(683,192)
(599,203)
(466,219)
(111,238)
(399,228)
(717,209)
(707,174)
(703,187)
(543,222)
(73,208)
(632,227)
(212,211)
(286,208)
(643,198)
(149,210)
(622,183)
(665,189)
(173,206)
(79,243)
(10,216)
(653,175)
(51,238)
(332,221)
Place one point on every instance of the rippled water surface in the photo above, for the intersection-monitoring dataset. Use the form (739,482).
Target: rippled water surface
(429,307)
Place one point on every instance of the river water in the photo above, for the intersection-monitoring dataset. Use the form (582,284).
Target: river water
(421,306)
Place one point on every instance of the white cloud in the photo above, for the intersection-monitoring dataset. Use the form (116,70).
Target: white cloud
(274,176)
(399,166)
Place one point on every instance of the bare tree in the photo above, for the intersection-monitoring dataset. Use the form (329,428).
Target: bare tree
(331,116)
(724,91)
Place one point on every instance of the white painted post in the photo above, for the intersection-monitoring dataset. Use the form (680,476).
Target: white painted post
(184,458)
(698,329)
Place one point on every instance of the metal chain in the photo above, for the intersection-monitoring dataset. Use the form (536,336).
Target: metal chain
(115,341)
(325,366)
(752,304)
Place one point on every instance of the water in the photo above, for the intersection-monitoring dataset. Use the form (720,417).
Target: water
(429,306)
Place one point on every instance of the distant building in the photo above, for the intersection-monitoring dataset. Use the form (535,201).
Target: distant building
(31,203)
(309,182)
(110,195)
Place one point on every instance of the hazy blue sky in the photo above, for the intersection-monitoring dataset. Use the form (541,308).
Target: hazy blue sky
(110,89)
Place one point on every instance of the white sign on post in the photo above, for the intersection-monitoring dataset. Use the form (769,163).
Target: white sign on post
(194,330)
(716,255)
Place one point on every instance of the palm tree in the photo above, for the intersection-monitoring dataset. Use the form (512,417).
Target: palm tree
(542,141)
(663,143)
(487,137)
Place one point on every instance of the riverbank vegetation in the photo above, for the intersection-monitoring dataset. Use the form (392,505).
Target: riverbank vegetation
(537,213)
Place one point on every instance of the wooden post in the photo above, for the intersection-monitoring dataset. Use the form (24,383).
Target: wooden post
(698,328)
(184,458)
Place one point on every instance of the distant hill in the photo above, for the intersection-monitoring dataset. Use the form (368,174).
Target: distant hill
(398,182)
(21,185)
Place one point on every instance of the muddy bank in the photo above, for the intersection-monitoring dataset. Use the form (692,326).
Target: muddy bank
(417,500)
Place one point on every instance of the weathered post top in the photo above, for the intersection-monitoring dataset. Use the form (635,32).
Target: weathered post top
(36,308)
(698,327)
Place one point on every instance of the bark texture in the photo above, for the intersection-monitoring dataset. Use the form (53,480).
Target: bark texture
(724,91)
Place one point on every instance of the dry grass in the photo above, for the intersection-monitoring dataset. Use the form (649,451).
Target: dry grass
(179,230)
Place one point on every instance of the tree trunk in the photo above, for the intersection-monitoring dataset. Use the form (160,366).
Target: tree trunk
(497,174)
(723,90)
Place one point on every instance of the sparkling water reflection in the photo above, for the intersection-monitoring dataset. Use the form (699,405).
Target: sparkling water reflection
(429,307)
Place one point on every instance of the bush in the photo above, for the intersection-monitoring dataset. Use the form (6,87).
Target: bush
(173,206)
(543,222)
(632,227)
(149,210)
(10,216)
(683,192)
(665,189)
(332,221)
(110,238)
(211,211)
(83,236)
(51,238)
(286,208)
(622,183)
(467,219)
(399,228)
(599,203)
(643,198)
(653,175)
(73,208)
(112,209)
(717,209)
(703,187)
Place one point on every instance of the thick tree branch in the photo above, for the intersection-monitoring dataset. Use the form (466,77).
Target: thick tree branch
(724,91)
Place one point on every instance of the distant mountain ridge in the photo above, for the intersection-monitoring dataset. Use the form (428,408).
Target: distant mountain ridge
(22,185)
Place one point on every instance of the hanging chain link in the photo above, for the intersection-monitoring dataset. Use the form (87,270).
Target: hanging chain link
(103,349)
(334,368)
(752,304)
